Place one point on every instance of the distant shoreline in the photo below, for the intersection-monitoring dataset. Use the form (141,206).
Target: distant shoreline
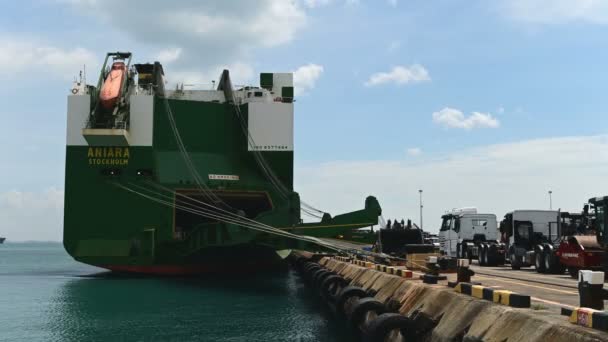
(7,241)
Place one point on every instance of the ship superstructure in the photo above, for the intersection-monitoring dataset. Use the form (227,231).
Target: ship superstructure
(185,181)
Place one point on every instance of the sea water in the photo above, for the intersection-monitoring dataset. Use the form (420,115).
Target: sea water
(47,296)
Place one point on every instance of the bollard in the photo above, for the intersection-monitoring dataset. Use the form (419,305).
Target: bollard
(463,272)
(591,289)
(431,276)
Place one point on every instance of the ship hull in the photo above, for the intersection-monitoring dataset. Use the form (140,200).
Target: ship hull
(243,259)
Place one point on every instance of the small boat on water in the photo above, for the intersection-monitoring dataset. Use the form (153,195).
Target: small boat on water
(2,240)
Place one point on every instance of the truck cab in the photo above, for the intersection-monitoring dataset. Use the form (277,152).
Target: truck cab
(599,208)
(464,232)
(524,230)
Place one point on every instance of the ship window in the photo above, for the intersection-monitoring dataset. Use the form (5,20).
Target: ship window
(249,94)
(258,94)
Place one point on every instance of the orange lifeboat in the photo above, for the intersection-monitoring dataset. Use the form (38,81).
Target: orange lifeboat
(110,90)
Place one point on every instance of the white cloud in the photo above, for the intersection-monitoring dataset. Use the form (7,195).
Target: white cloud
(32,215)
(392,3)
(240,74)
(207,34)
(414,151)
(323,3)
(400,75)
(556,11)
(454,118)
(169,55)
(316,3)
(24,54)
(495,178)
(305,77)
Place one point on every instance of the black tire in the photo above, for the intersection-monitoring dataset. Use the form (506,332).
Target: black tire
(559,267)
(360,310)
(380,328)
(318,277)
(515,265)
(309,269)
(492,255)
(331,287)
(346,294)
(539,261)
(300,262)
(469,256)
(482,255)
(553,264)
(549,267)
(573,272)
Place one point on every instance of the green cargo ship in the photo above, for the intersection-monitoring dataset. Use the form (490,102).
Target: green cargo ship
(181,181)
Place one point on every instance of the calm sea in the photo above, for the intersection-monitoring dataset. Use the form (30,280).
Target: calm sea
(46,296)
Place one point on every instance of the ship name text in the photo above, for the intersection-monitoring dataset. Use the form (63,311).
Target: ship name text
(118,156)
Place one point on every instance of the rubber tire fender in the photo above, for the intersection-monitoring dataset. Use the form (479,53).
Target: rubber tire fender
(346,294)
(380,327)
(314,276)
(300,263)
(360,309)
(308,266)
(321,278)
(325,287)
(310,270)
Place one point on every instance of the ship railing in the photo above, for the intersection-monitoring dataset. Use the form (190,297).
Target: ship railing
(121,125)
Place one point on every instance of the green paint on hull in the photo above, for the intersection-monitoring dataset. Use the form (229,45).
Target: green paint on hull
(106,225)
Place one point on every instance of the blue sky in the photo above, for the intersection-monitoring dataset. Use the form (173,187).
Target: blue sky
(493,102)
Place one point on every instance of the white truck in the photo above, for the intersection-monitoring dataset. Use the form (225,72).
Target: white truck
(465,234)
(532,237)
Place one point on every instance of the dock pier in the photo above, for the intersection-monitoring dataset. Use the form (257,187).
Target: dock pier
(381,303)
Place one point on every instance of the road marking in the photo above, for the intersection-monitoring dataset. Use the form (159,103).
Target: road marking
(552,302)
(529,285)
(499,279)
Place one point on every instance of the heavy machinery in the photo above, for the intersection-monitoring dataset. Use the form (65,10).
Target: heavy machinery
(599,208)
(466,234)
(579,248)
(532,238)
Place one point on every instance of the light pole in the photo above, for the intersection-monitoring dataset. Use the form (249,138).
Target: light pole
(420,192)
(550,200)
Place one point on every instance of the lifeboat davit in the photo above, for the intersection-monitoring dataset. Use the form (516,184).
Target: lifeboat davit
(110,90)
